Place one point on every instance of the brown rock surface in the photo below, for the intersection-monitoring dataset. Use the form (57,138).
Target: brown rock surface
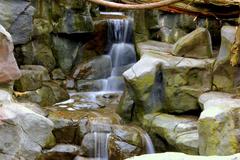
(8,67)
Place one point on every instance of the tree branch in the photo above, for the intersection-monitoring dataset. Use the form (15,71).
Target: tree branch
(134,6)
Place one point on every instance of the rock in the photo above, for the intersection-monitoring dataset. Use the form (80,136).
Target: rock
(84,158)
(213,95)
(91,85)
(218,126)
(60,152)
(66,51)
(118,71)
(180,132)
(41,27)
(39,52)
(224,75)
(125,108)
(22,27)
(97,68)
(154,46)
(153,86)
(49,94)
(24,132)
(29,81)
(182,156)
(196,44)
(32,78)
(17,17)
(115,83)
(140,28)
(75,17)
(122,150)
(57,74)
(8,67)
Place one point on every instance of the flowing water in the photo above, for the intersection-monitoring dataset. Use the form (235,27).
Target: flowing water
(121,51)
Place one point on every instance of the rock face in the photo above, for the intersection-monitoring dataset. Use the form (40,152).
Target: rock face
(153,86)
(225,77)
(23,132)
(178,131)
(196,44)
(16,17)
(8,67)
(218,125)
(181,156)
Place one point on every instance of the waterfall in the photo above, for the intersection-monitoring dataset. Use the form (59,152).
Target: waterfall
(101,145)
(120,50)
(148,143)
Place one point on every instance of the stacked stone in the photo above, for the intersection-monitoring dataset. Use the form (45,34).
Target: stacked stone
(172,84)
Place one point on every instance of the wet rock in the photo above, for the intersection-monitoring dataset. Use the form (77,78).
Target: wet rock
(66,52)
(61,152)
(196,44)
(57,74)
(224,75)
(182,156)
(97,68)
(140,27)
(125,108)
(8,67)
(24,132)
(179,131)
(218,125)
(91,85)
(115,83)
(118,71)
(153,86)
(122,150)
(49,94)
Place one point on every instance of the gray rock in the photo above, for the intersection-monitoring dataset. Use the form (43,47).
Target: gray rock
(57,74)
(97,68)
(43,70)
(24,132)
(66,52)
(224,75)
(22,27)
(153,87)
(179,131)
(61,152)
(218,125)
(196,44)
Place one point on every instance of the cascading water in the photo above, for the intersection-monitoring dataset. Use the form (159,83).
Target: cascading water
(121,51)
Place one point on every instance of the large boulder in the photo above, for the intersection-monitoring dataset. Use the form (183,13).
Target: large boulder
(23,131)
(164,82)
(16,17)
(196,44)
(224,75)
(38,52)
(66,51)
(8,67)
(218,124)
(182,156)
(71,17)
(180,132)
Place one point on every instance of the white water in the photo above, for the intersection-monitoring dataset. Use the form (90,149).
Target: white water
(148,143)
(121,51)
(101,146)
